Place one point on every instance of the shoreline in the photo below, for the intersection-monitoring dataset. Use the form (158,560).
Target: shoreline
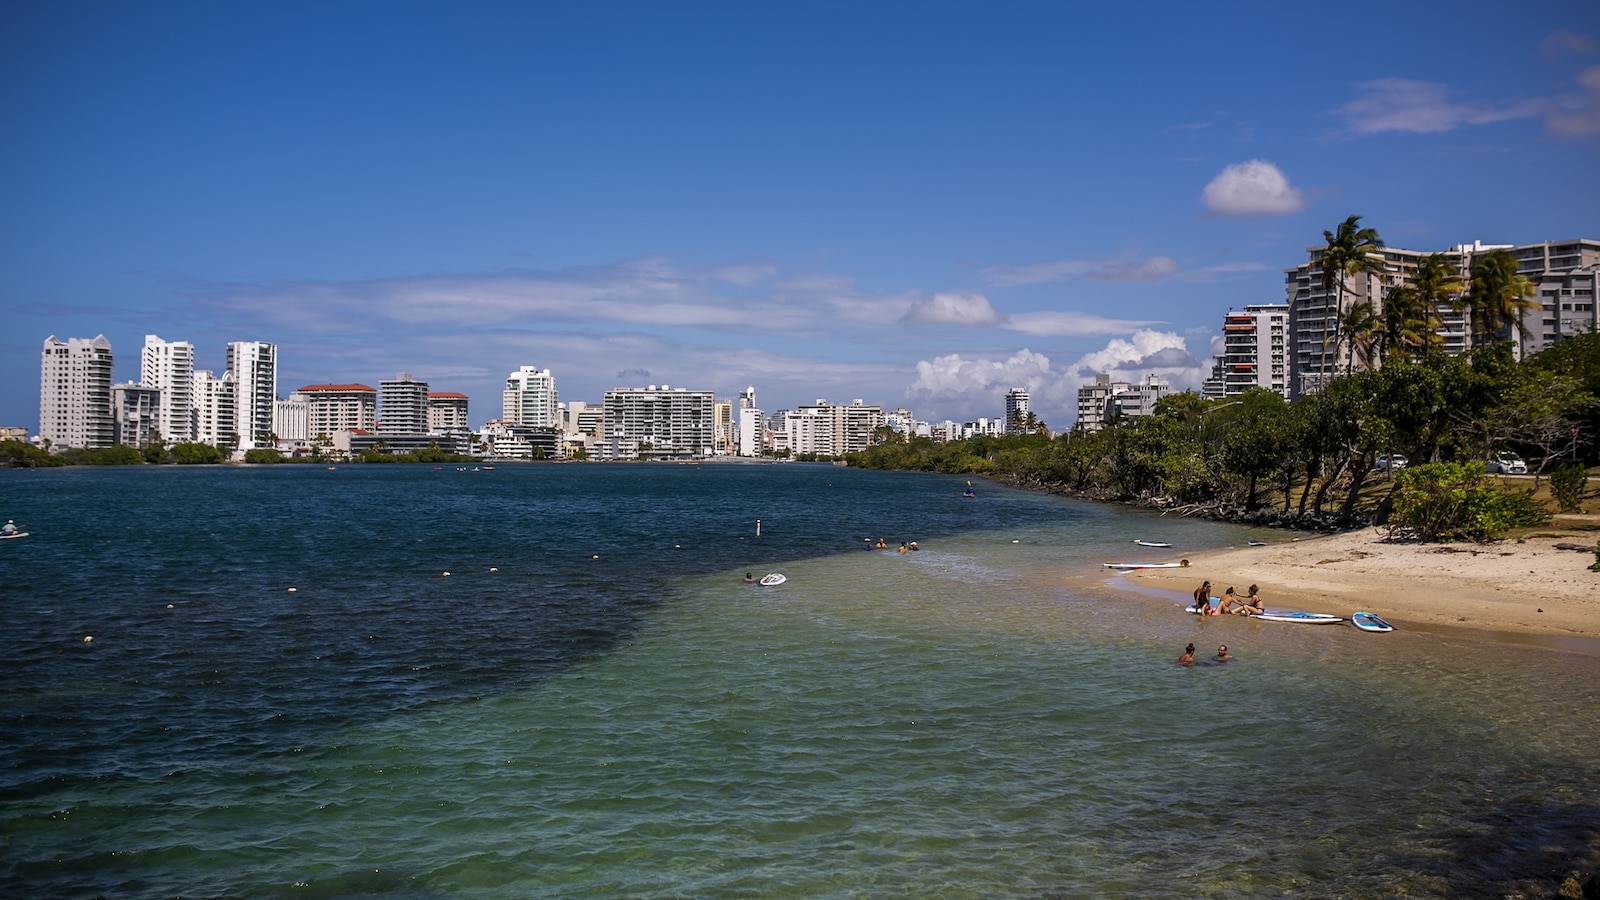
(1510,590)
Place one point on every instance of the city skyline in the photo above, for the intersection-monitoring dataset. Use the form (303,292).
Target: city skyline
(918,206)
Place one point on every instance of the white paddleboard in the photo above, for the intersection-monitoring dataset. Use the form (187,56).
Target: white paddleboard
(1304,618)
(1176,565)
(1369,622)
(1152,543)
(14,536)
(773,579)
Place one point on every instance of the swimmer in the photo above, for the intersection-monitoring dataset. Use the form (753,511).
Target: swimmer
(1222,654)
(749,578)
(1187,659)
(903,548)
(913,545)
(880,545)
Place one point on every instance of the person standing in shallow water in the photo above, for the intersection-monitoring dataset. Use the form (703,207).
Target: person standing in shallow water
(1202,599)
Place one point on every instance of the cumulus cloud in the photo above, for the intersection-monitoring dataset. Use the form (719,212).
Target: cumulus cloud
(1421,107)
(967,387)
(1251,188)
(1145,351)
(952,309)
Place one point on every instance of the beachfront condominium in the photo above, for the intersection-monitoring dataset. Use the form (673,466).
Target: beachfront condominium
(75,393)
(403,405)
(1105,401)
(657,422)
(1561,273)
(447,412)
(135,414)
(1016,420)
(216,408)
(830,429)
(531,399)
(1254,352)
(254,366)
(332,408)
(168,366)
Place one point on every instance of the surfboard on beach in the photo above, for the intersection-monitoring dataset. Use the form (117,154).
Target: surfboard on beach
(1369,622)
(1130,565)
(1304,618)
(1151,543)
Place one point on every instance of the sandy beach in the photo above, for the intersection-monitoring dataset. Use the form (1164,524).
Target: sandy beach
(1520,585)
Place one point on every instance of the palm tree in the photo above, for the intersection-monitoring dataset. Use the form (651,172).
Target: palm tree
(1348,252)
(1362,330)
(1497,297)
(1409,324)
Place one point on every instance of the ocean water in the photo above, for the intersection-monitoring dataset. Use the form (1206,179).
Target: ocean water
(592,703)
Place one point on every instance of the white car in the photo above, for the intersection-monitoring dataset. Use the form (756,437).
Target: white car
(1507,463)
(1387,463)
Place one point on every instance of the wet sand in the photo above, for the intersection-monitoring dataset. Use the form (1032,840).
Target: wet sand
(1521,586)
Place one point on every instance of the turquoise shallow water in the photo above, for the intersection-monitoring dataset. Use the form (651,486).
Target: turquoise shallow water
(978,718)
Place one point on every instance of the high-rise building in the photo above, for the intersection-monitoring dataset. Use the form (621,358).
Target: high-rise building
(291,421)
(1016,411)
(1254,352)
(168,366)
(216,409)
(531,399)
(658,422)
(447,412)
(254,366)
(1105,401)
(403,404)
(332,408)
(1565,276)
(828,429)
(75,393)
(135,413)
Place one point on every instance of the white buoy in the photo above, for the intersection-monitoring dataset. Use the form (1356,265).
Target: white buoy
(445,575)
(88,639)
(169,606)
(292,590)
(493,569)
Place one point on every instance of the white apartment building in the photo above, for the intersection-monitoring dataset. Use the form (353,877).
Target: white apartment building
(1016,419)
(332,408)
(1254,352)
(135,412)
(752,431)
(447,412)
(1105,400)
(168,366)
(254,366)
(75,393)
(1563,273)
(216,410)
(291,422)
(827,429)
(658,423)
(531,399)
(403,402)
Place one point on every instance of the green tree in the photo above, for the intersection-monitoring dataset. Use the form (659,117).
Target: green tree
(1497,297)
(263,456)
(190,454)
(1361,331)
(1348,251)
(1453,501)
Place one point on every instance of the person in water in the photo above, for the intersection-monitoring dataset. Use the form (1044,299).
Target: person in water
(913,545)
(1187,659)
(1202,599)
(880,545)
(749,578)
(1222,654)
(903,548)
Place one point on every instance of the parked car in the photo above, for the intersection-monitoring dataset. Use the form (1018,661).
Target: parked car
(1389,462)
(1507,463)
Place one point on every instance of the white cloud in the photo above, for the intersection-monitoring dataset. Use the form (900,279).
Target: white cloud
(1128,268)
(965,387)
(1068,324)
(1144,352)
(952,309)
(1577,115)
(1251,188)
(1420,107)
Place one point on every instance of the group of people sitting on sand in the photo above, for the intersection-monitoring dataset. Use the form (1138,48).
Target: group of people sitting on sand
(1229,603)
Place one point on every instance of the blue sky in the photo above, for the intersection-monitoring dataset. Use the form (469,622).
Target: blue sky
(917,204)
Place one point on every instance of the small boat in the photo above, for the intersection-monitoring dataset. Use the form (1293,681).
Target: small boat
(773,580)
(1152,543)
(1369,622)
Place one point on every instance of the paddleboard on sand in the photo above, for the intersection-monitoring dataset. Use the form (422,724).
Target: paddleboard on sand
(1304,618)
(1369,622)
(1152,543)
(773,579)
(1176,565)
